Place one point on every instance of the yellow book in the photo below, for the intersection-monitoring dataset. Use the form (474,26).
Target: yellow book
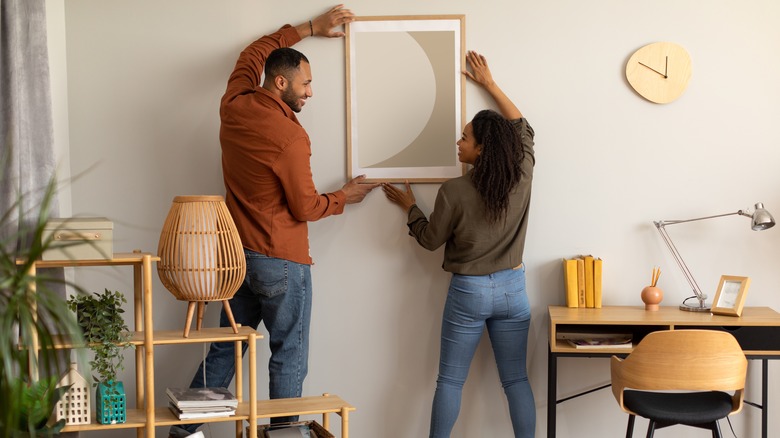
(570,282)
(597,267)
(581,282)
(590,299)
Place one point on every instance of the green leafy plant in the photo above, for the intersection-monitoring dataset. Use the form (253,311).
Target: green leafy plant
(32,313)
(104,330)
(37,400)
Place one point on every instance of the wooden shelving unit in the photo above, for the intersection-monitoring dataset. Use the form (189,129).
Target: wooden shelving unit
(146,416)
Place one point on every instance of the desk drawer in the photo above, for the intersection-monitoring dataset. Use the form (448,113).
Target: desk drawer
(750,338)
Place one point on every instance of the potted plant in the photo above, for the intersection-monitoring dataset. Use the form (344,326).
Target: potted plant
(107,335)
(32,312)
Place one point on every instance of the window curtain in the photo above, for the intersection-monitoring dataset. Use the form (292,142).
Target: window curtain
(26,130)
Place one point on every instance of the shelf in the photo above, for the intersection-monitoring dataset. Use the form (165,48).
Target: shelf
(283,407)
(172,337)
(136,418)
(119,259)
(211,334)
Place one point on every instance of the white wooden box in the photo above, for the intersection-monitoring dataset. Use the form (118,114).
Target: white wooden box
(79,238)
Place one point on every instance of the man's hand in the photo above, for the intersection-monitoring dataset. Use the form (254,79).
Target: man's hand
(356,189)
(324,24)
(405,200)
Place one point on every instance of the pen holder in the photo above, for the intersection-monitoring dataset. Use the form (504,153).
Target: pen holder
(652,297)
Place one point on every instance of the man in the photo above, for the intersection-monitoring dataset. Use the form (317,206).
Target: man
(271,196)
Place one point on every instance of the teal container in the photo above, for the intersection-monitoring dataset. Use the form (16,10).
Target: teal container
(111,403)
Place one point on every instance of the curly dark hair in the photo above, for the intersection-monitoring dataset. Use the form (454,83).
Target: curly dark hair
(497,168)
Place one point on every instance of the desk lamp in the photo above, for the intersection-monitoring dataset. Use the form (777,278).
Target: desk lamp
(761,220)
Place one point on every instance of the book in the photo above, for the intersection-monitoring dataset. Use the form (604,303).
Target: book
(588,265)
(201,397)
(583,333)
(581,282)
(609,342)
(597,268)
(570,282)
(202,408)
(196,413)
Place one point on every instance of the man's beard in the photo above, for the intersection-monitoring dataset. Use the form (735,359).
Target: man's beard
(289,97)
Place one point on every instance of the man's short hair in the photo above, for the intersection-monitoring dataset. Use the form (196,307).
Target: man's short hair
(283,62)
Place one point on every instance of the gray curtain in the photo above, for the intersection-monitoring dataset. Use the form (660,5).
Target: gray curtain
(27,160)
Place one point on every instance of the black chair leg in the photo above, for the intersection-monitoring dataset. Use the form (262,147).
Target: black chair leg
(716,430)
(630,428)
(651,429)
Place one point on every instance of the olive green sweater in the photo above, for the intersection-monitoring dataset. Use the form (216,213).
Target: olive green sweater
(474,246)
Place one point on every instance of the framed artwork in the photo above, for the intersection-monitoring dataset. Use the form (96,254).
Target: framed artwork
(730,296)
(405,89)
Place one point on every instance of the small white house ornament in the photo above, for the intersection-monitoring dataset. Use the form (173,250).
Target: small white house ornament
(74,406)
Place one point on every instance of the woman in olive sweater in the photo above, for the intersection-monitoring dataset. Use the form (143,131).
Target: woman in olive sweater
(482,218)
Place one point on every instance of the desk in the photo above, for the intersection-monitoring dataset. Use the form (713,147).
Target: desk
(757,331)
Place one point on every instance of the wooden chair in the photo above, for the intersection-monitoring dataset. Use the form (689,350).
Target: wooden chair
(704,369)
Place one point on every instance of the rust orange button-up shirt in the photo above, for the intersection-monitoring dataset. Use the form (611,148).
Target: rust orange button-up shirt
(266,161)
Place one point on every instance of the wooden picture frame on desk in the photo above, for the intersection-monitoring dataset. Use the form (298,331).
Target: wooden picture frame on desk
(730,296)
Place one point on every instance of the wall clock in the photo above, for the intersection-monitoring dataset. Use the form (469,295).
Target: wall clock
(659,72)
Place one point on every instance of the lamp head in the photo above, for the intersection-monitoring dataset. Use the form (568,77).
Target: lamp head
(761,219)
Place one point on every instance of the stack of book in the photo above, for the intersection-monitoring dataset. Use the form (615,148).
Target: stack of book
(582,280)
(589,341)
(194,403)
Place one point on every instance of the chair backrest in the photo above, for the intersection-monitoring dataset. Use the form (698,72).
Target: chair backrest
(686,360)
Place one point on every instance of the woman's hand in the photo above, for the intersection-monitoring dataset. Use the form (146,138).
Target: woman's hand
(404,199)
(480,72)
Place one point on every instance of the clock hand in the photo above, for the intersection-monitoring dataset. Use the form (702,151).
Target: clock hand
(666,68)
(651,68)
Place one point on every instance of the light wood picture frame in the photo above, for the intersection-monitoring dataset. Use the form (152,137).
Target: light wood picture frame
(730,297)
(405,97)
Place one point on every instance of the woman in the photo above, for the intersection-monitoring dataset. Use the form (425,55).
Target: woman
(482,219)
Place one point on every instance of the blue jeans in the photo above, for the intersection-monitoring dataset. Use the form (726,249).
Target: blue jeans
(278,293)
(498,301)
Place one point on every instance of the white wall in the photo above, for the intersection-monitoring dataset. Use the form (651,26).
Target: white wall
(144,80)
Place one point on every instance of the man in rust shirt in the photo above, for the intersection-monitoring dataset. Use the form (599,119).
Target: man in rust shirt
(271,196)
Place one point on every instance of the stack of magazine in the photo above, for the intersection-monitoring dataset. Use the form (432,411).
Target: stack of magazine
(193,403)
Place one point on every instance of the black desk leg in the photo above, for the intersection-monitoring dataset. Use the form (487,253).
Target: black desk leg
(552,391)
(764,396)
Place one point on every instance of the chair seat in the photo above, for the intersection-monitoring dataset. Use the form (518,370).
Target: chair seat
(690,408)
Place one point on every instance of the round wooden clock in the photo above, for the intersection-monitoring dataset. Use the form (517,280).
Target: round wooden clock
(659,72)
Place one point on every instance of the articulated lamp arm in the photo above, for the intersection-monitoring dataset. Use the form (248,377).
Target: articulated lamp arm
(761,220)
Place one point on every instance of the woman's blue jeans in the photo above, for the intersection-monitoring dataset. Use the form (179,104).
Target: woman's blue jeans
(278,293)
(499,302)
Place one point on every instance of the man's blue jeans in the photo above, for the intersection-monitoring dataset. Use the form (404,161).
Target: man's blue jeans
(499,302)
(278,293)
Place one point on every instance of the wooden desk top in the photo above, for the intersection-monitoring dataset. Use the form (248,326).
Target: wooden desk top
(637,315)
(757,330)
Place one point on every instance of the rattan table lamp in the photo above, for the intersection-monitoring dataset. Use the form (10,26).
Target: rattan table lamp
(201,257)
